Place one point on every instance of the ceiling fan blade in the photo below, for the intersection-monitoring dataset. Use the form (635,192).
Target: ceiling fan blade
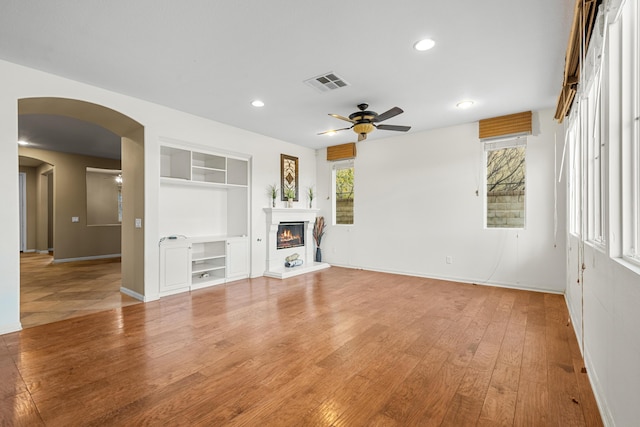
(394,127)
(362,137)
(388,114)
(332,131)
(346,119)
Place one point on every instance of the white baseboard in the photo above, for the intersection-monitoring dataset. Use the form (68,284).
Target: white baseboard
(28,251)
(7,329)
(42,252)
(458,279)
(594,381)
(85,258)
(132,294)
(596,386)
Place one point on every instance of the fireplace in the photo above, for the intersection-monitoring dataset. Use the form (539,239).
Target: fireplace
(303,220)
(290,235)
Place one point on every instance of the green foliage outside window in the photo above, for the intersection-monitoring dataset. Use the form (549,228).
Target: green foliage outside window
(344,183)
(344,196)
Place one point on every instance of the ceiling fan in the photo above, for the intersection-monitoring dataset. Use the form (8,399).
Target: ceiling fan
(366,121)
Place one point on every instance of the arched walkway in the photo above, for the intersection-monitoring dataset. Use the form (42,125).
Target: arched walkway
(132,165)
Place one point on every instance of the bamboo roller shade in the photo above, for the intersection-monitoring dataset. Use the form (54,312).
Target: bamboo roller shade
(341,152)
(505,125)
(584,14)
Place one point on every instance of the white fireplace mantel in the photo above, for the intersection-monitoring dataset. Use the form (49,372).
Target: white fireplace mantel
(276,258)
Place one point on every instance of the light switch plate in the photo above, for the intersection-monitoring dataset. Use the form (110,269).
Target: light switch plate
(138,222)
(75,219)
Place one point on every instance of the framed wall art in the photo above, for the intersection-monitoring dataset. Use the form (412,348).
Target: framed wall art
(289,174)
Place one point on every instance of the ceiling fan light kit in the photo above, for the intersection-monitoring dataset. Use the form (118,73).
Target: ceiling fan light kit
(364,121)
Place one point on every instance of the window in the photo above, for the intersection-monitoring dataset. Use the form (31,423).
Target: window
(344,194)
(630,138)
(574,171)
(104,196)
(596,164)
(505,196)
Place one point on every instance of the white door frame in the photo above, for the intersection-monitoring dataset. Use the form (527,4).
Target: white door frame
(22,190)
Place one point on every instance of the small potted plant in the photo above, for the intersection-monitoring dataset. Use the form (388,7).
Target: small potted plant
(311,194)
(289,194)
(273,192)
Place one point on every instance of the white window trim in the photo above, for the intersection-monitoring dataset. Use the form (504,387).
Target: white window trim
(630,115)
(493,144)
(345,164)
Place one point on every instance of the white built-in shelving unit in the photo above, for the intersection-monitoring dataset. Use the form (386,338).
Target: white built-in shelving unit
(204,218)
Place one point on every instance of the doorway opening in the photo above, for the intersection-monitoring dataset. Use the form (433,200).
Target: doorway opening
(57,235)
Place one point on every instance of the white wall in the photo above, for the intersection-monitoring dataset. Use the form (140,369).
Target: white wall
(416,204)
(21,82)
(610,290)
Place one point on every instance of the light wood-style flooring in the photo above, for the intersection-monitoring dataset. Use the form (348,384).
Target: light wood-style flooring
(51,292)
(338,347)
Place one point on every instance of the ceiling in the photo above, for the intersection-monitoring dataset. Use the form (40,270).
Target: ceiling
(212,59)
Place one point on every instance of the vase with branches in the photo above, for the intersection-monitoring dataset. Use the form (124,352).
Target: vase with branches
(318,232)
(273,193)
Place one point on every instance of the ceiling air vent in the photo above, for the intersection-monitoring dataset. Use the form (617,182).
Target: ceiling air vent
(326,82)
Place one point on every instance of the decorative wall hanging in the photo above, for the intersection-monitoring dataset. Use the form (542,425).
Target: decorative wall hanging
(289,173)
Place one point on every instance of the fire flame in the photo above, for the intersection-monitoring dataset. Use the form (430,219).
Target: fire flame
(286,236)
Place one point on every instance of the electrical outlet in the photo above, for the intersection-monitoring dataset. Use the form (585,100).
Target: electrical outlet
(449,260)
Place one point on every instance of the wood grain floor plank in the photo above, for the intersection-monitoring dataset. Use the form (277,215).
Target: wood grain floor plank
(467,404)
(19,410)
(500,402)
(532,405)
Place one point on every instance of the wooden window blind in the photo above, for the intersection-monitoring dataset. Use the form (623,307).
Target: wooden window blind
(584,14)
(512,124)
(341,152)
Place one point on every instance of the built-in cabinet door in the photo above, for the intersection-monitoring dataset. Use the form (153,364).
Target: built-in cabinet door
(237,258)
(175,267)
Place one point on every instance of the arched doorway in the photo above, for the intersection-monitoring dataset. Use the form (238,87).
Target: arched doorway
(132,164)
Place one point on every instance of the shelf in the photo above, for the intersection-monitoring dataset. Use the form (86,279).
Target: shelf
(208,161)
(203,269)
(214,275)
(188,182)
(181,166)
(208,169)
(209,175)
(237,172)
(194,259)
(208,250)
(208,265)
(175,163)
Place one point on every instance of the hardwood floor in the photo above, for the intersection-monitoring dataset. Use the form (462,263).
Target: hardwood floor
(51,292)
(337,347)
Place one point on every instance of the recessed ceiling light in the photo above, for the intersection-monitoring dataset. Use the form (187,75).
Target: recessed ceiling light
(424,44)
(23,143)
(464,104)
(257,103)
